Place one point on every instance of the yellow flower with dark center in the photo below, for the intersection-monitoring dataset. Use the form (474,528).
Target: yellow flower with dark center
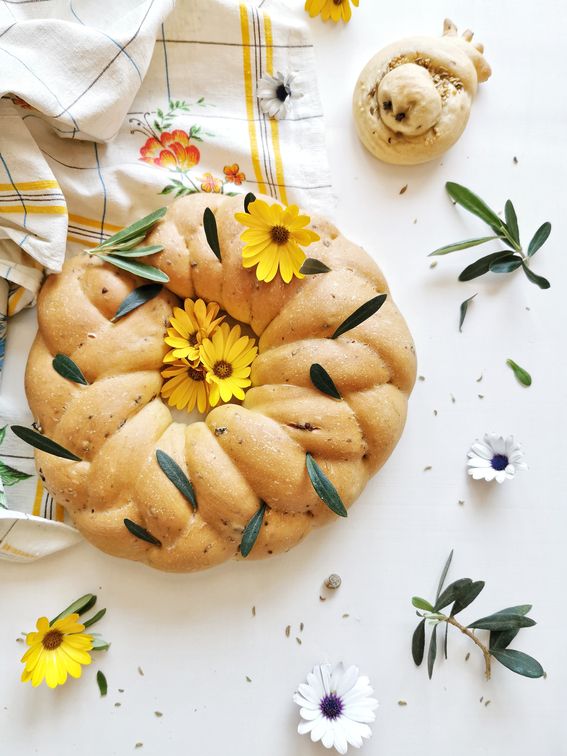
(274,239)
(185,386)
(197,321)
(330,9)
(227,358)
(56,650)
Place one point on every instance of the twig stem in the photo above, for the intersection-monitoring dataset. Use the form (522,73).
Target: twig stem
(472,636)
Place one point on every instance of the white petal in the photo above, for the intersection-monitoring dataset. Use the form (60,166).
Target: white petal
(479,462)
(347,681)
(309,714)
(325,673)
(340,739)
(328,738)
(304,727)
(319,729)
(314,680)
(482,450)
(359,713)
(308,693)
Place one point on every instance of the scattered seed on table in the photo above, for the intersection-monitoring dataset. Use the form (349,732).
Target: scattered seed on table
(402,703)
(468,656)
(248,679)
(404,189)
(158,714)
(140,671)
(253,611)
(287,631)
(301,626)
(298,641)
(322,598)
(346,616)
(487,702)
(426,469)
(433,264)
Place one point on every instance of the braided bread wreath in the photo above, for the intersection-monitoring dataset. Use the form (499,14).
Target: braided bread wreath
(239,455)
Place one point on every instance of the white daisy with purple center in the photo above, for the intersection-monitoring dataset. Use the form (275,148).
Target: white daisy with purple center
(336,706)
(495,458)
(277,93)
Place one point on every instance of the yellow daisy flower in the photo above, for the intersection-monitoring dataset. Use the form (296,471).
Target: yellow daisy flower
(330,9)
(190,326)
(273,240)
(56,650)
(185,386)
(227,358)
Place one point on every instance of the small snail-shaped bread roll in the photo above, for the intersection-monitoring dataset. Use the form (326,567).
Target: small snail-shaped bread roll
(412,100)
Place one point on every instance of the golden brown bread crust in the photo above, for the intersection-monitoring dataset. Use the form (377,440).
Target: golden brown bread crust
(238,455)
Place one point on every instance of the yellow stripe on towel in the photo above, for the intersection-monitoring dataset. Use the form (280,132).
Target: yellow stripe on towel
(34,209)
(273,121)
(247,65)
(37,500)
(29,185)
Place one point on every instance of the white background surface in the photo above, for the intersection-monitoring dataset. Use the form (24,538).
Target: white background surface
(195,636)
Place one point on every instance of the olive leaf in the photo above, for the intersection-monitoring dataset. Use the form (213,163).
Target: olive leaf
(452,593)
(482,265)
(211,232)
(136,298)
(323,381)
(80,606)
(502,638)
(139,251)
(139,532)
(176,475)
(43,443)
(324,489)
(466,244)
(521,374)
(471,202)
(68,369)
(540,281)
(518,662)
(102,683)
(418,643)
(432,653)
(361,314)
(134,233)
(463,311)
(512,221)
(421,603)
(506,264)
(247,200)
(252,530)
(502,621)
(539,238)
(444,574)
(95,618)
(311,267)
(467,596)
(141,270)
(99,644)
